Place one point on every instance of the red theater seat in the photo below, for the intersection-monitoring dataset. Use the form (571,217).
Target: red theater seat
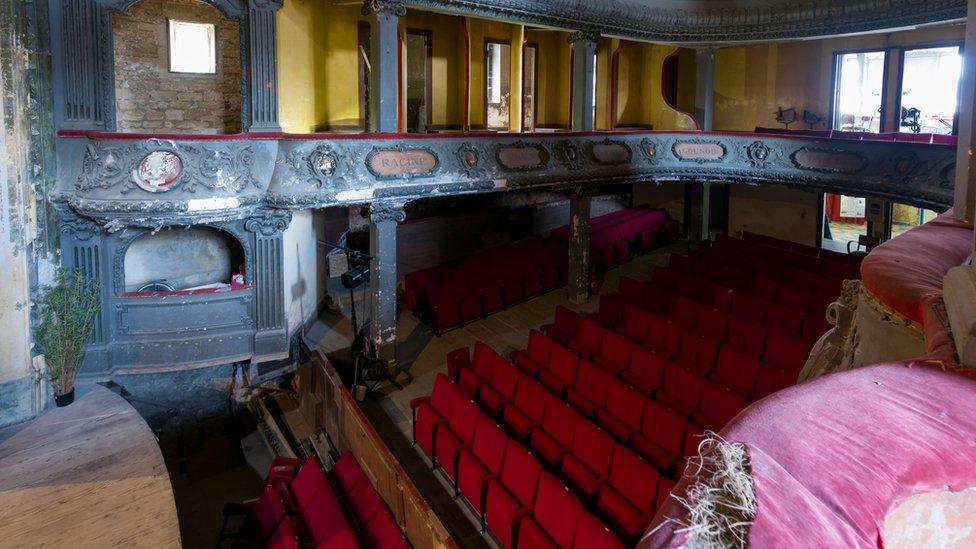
(590,391)
(429,413)
(593,534)
(482,463)
(555,436)
(788,353)
(736,370)
(784,319)
(684,311)
(630,289)
(636,324)
(698,352)
(646,370)
(815,325)
(458,360)
(682,389)
(655,300)
(713,323)
(663,491)
(554,518)
(661,435)
(511,496)
(719,405)
(665,337)
(563,329)
(747,336)
(621,415)
(694,436)
(771,379)
(587,464)
(561,372)
(614,353)
(326,521)
(456,436)
(535,358)
(482,367)
(589,338)
(629,496)
(525,411)
(347,473)
(501,387)
(748,307)
(611,311)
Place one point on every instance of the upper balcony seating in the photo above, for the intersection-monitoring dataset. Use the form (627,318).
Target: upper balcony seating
(303,506)
(498,277)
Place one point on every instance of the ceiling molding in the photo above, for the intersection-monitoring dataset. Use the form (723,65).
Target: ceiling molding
(660,21)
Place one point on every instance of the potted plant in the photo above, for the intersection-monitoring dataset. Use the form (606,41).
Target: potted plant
(68,310)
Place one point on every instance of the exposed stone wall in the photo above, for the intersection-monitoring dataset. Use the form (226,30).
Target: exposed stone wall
(152,99)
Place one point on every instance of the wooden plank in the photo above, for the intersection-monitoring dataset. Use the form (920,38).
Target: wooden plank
(90,474)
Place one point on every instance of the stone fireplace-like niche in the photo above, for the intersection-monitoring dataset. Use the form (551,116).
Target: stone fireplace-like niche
(182,259)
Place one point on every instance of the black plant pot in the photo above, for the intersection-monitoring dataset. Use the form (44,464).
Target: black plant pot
(63,400)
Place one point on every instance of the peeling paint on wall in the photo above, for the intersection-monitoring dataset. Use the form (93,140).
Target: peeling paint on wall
(26,175)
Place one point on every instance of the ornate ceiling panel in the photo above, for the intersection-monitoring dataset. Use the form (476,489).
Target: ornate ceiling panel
(711,21)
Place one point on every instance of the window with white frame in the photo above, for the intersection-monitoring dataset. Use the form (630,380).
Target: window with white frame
(192,47)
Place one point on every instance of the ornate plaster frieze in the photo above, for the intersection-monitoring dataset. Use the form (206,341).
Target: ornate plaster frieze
(97,175)
(391,7)
(713,21)
(387,210)
(583,36)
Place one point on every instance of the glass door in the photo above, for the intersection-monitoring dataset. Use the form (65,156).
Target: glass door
(859,91)
(929,86)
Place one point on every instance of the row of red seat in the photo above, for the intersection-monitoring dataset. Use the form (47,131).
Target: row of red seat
(302,505)
(935,138)
(716,307)
(831,255)
(496,278)
(786,263)
(702,377)
(519,502)
(615,236)
(487,281)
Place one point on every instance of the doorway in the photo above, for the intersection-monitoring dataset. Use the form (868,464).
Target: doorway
(419,83)
(844,221)
(530,56)
(498,61)
(859,85)
(929,88)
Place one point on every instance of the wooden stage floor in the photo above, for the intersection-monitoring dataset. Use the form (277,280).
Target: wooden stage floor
(87,475)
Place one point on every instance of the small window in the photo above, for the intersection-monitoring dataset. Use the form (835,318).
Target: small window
(192,47)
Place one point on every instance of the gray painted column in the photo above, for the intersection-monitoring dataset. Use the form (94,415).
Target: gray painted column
(964,204)
(259,44)
(384,63)
(84,68)
(271,333)
(584,72)
(578,277)
(698,229)
(383,220)
(704,87)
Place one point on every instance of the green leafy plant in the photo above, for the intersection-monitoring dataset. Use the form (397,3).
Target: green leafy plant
(69,307)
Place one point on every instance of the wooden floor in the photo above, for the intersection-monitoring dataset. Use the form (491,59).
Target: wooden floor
(87,475)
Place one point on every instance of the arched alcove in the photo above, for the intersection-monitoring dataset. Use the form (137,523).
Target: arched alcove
(184,258)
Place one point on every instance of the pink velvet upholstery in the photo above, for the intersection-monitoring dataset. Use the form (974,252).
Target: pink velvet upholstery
(842,450)
(906,272)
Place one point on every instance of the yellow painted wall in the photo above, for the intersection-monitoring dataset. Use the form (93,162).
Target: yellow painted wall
(479,31)
(774,210)
(752,81)
(553,93)
(301,68)
(447,64)
(640,99)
